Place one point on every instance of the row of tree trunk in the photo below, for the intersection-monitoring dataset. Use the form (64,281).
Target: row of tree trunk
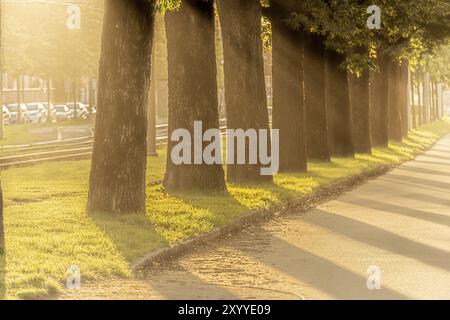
(426,99)
(319,109)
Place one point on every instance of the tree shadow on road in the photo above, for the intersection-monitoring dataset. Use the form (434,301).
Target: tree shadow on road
(423,170)
(421,181)
(405,211)
(382,239)
(318,272)
(439,157)
(173,281)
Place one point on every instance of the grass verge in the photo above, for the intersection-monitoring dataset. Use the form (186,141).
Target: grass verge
(31,133)
(47,229)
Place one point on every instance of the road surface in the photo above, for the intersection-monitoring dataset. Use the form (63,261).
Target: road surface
(399,223)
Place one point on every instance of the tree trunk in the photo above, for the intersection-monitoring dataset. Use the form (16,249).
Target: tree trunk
(49,100)
(426,98)
(432,118)
(314,85)
(192,92)
(117,181)
(245,90)
(434,98)
(360,104)
(403,97)
(75,98)
(338,106)
(420,103)
(379,115)
(288,105)
(413,102)
(440,101)
(90,100)
(395,101)
(19,101)
(151,132)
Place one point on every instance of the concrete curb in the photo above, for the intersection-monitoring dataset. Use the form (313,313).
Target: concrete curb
(320,195)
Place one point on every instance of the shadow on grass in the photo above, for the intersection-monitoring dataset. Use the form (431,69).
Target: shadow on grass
(177,216)
(132,235)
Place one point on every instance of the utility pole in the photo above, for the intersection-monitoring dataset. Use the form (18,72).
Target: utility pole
(75,92)
(49,99)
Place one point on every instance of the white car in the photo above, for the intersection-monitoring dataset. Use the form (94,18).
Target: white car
(37,112)
(52,108)
(6,116)
(13,111)
(62,112)
(81,112)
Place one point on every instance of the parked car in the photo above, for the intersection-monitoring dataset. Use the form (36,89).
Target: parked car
(14,114)
(52,108)
(90,109)
(6,115)
(81,112)
(62,112)
(37,113)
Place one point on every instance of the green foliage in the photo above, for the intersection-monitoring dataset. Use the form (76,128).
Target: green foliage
(410,29)
(37,41)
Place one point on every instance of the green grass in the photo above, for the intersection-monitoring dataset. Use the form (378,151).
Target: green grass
(30,133)
(47,229)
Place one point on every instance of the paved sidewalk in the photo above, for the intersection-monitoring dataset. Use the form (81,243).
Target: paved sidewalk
(399,222)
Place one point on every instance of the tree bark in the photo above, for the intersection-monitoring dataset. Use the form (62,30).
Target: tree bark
(360,104)
(434,100)
(117,180)
(49,100)
(338,106)
(420,103)
(314,85)
(403,97)
(440,101)
(75,98)
(192,91)
(379,105)
(245,90)
(431,102)
(288,103)
(19,101)
(395,101)
(413,102)
(151,132)
(426,98)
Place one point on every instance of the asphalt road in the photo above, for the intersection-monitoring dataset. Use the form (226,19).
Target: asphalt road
(398,223)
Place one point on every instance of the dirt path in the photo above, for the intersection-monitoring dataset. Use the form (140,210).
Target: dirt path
(399,222)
